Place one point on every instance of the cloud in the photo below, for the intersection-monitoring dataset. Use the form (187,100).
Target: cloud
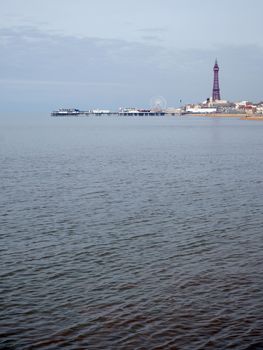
(30,54)
(58,70)
(153,34)
(53,68)
(153,30)
(153,38)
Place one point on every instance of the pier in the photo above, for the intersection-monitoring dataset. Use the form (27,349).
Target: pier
(123,112)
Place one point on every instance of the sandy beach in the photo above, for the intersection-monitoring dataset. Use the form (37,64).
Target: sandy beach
(253,118)
(225,115)
(219,115)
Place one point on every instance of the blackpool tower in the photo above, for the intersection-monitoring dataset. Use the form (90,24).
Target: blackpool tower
(216,90)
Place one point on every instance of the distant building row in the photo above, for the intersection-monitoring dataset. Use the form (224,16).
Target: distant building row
(223,106)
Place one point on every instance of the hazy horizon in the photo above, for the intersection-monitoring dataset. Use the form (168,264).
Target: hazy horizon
(108,55)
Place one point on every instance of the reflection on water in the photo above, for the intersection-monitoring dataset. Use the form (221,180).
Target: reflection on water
(131,234)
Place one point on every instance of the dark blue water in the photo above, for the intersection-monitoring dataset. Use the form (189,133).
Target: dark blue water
(131,233)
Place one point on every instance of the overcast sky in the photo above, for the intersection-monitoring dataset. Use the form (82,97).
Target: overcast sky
(112,53)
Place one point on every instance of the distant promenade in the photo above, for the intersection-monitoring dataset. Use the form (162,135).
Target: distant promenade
(219,115)
(241,116)
(253,117)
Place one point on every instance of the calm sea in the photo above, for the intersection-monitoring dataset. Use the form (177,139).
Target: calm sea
(131,233)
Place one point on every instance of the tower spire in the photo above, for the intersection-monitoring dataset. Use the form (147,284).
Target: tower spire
(216,90)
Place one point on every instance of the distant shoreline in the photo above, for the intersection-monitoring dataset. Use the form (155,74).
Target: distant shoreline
(253,118)
(228,115)
(241,116)
(219,115)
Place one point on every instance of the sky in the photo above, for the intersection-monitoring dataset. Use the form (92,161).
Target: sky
(121,53)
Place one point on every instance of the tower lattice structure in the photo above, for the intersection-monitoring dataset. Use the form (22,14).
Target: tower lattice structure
(216,89)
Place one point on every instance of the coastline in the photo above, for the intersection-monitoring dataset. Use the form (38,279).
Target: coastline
(253,118)
(226,115)
(219,115)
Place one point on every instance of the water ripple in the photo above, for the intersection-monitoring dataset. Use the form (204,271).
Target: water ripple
(151,243)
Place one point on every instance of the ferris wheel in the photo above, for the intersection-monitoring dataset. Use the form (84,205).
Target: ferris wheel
(158,103)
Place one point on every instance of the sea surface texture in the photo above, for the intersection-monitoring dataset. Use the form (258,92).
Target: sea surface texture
(131,233)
